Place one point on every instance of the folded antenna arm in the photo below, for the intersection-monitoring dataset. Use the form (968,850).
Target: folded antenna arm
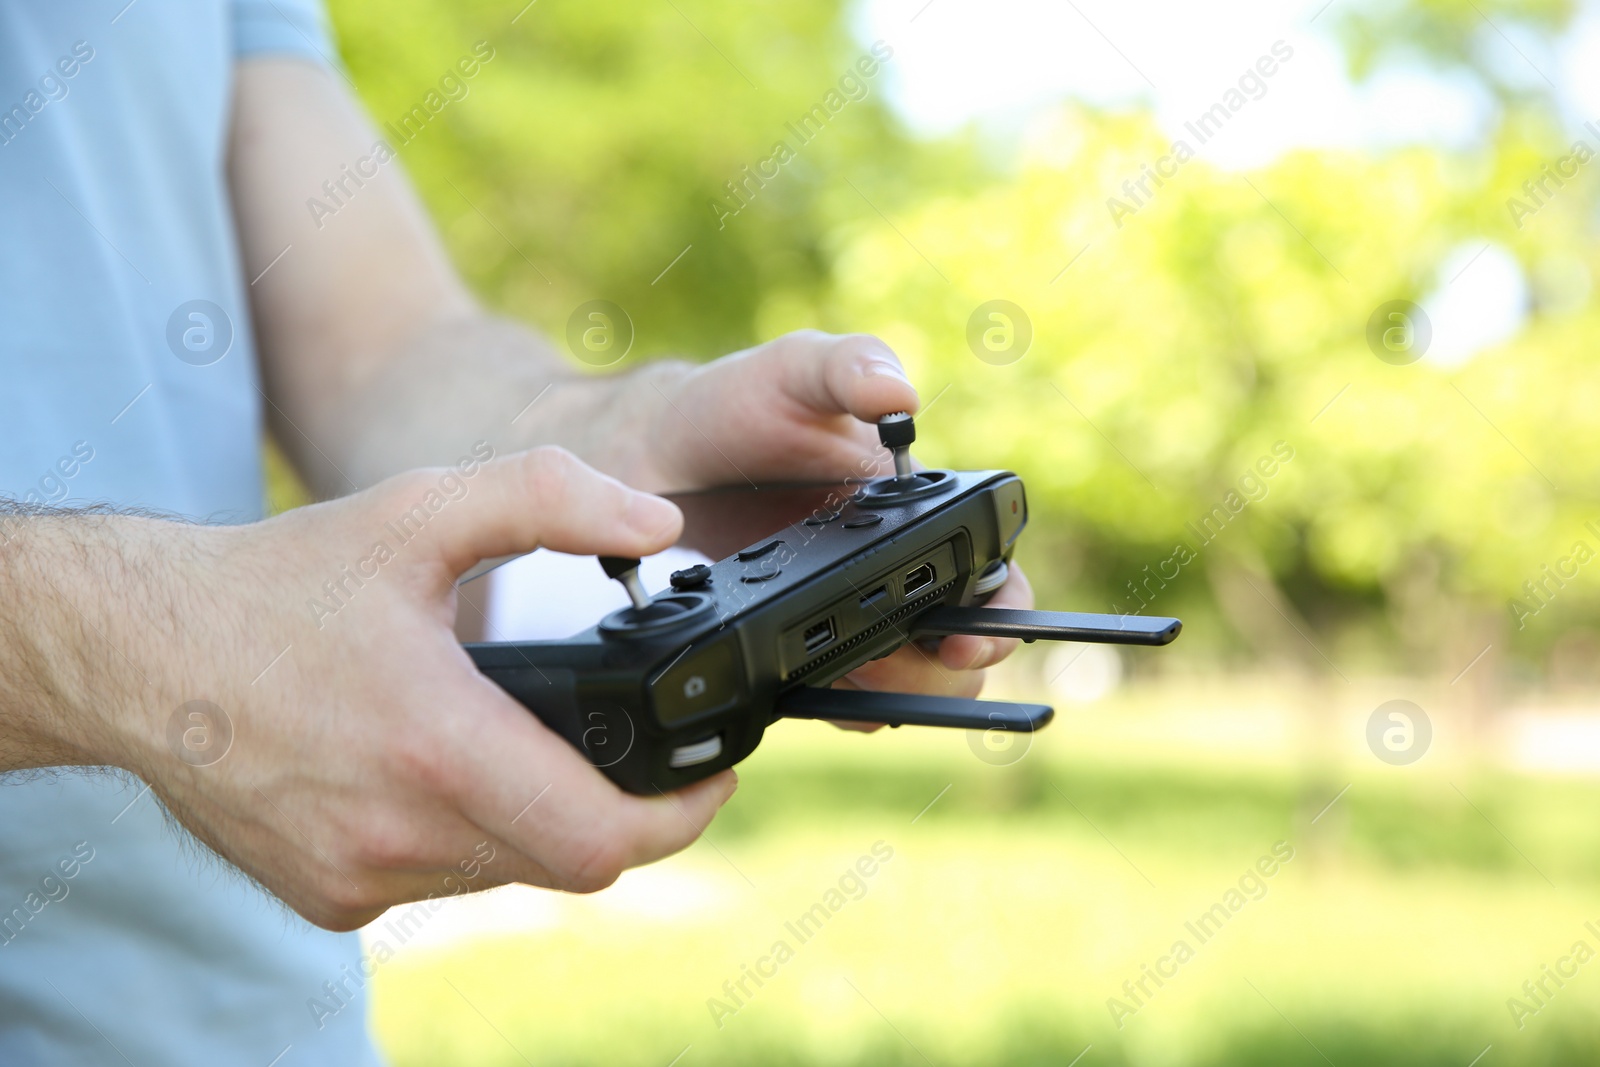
(1046,625)
(911,709)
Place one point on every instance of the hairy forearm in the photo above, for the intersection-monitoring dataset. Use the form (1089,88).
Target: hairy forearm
(81,628)
(477,377)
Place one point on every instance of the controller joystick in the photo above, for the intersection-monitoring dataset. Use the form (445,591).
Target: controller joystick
(645,615)
(626,571)
(896,432)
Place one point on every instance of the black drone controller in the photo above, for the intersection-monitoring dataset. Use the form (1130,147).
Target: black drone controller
(680,685)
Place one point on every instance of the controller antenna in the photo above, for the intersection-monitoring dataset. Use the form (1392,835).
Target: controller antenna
(626,571)
(897,432)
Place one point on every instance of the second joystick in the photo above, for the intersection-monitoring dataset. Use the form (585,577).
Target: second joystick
(897,432)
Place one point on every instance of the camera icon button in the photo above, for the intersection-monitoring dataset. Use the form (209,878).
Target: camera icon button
(701,682)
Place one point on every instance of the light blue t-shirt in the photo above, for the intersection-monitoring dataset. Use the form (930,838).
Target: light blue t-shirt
(127,375)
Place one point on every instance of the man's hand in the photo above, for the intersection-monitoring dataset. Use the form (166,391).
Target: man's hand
(369,758)
(799,408)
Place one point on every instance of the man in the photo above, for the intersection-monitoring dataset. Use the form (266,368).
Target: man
(157,256)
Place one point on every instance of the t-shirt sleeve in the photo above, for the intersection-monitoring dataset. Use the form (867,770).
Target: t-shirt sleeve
(283,27)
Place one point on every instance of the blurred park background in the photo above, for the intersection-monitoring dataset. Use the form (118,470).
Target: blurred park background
(1423,535)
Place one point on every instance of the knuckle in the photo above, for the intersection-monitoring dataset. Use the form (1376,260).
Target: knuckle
(598,864)
(340,920)
(341,899)
(428,762)
(406,488)
(861,344)
(807,336)
(383,845)
(548,472)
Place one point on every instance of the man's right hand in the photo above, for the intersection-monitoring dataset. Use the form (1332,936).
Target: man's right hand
(369,758)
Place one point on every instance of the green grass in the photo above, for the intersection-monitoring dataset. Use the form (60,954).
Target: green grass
(1025,896)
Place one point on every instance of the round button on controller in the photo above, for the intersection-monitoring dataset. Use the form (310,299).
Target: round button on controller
(695,577)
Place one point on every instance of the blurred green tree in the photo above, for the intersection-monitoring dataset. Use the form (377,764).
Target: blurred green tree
(589,153)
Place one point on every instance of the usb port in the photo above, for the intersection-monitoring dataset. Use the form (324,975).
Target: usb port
(920,578)
(872,599)
(819,636)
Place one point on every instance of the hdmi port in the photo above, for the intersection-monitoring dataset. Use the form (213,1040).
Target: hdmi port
(920,578)
(819,636)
